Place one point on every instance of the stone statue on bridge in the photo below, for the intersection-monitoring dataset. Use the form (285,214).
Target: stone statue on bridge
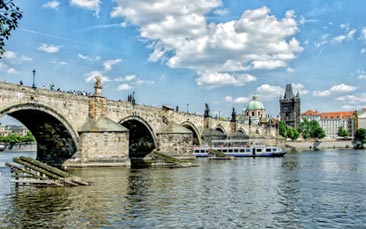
(233,115)
(207,111)
(98,86)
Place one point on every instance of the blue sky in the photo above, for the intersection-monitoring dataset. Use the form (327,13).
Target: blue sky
(179,52)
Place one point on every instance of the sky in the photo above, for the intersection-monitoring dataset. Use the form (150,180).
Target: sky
(187,53)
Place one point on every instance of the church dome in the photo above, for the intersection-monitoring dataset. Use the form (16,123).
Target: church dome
(255,104)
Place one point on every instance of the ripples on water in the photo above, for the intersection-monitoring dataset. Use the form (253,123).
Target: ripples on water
(304,190)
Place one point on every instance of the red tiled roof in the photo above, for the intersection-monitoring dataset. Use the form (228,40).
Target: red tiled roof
(344,114)
(310,113)
(325,115)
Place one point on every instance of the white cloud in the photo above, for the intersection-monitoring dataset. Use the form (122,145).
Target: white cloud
(345,26)
(180,36)
(13,57)
(290,70)
(221,12)
(361,74)
(353,99)
(124,87)
(131,81)
(363,50)
(339,39)
(268,92)
(109,63)
(342,88)
(84,57)
(87,4)
(51,4)
(229,99)
(90,77)
(212,80)
(59,62)
(321,93)
(300,88)
(363,34)
(49,48)
(238,100)
(7,69)
(126,78)
(241,100)
(348,107)
(351,33)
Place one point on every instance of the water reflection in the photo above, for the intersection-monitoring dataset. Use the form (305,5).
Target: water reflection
(311,190)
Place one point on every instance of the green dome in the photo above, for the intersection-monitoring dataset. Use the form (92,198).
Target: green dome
(255,104)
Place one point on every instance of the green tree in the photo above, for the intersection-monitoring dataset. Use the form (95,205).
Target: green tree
(360,135)
(28,137)
(342,132)
(10,14)
(282,128)
(305,129)
(311,129)
(17,138)
(319,133)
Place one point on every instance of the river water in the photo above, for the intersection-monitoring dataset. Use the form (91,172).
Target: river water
(301,190)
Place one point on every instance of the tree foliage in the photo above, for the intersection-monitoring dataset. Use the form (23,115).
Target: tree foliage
(282,128)
(10,14)
(360,135)
(311,129)
(17,138)
(287,131)
(342,132)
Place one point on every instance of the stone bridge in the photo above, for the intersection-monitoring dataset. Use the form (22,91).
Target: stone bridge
(77,130)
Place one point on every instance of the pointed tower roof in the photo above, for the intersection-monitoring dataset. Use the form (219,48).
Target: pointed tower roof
(289,94)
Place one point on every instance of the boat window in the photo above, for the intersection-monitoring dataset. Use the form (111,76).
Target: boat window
(268,150)
(275,149)
(259,150)
(236,150)
(202,150)
(248,150)
(196,151)
(225,150)
(230,150)
(242,150)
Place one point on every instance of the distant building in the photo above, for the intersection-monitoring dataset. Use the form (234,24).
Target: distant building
(332,121)
(254,113)
(360,119)
(14,129)
(290,108)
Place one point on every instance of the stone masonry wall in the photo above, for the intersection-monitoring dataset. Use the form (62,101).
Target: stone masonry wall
(176,145)
(108,147)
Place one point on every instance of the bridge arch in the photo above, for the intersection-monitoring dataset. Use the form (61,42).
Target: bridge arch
(220,129)
(196,134)
(56,140)
(142,139)
(242,130)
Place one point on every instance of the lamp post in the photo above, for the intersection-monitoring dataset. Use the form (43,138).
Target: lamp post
(34,76)
(187,107)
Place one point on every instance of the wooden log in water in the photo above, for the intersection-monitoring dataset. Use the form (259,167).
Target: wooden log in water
(49,176)
(46,167)
(23,170)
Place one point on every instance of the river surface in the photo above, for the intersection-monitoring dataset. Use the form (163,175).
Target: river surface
(301,190)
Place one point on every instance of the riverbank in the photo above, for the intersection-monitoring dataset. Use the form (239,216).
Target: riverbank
(318,144)
(21,147)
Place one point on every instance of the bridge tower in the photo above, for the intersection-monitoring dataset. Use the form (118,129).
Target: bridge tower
(102,140)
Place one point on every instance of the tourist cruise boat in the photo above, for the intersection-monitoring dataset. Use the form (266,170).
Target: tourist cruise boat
(239,148)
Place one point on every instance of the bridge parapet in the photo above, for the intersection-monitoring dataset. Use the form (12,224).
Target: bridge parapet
(77,126)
